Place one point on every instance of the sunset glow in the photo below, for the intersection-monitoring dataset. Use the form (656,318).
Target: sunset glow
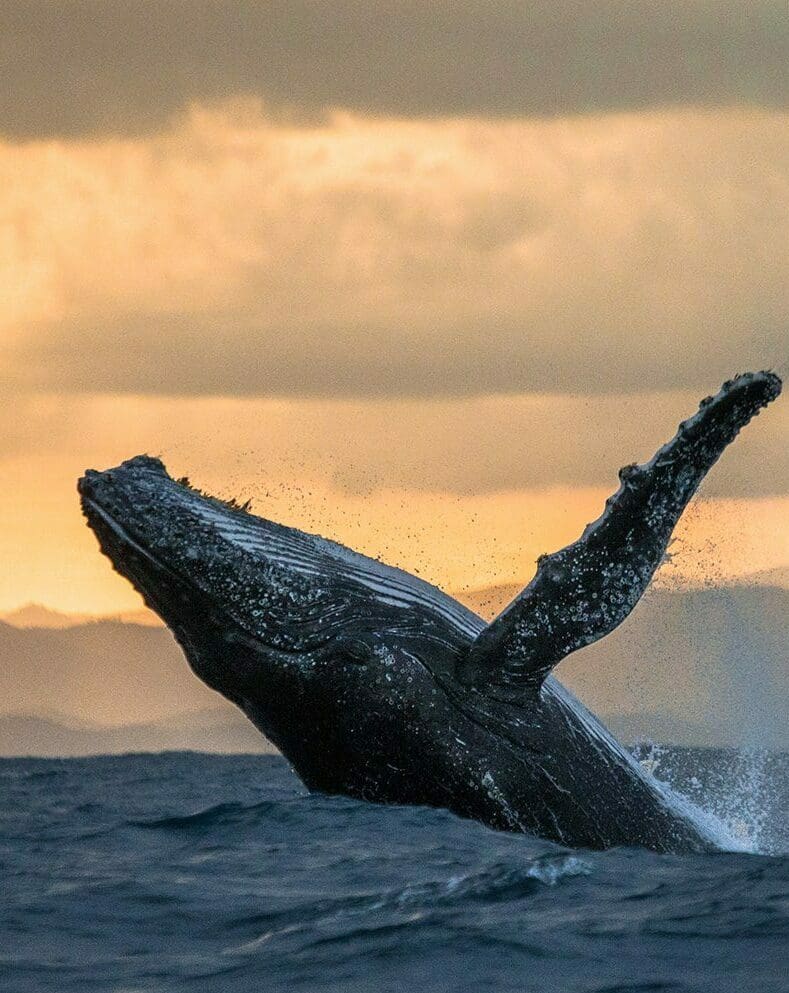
(433,335)
(320,465)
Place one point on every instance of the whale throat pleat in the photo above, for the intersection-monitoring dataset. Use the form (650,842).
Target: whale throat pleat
(584,591)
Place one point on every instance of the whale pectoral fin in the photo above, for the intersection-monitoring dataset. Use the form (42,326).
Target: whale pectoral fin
(584,591)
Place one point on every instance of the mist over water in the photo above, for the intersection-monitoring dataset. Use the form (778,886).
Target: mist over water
(182,871)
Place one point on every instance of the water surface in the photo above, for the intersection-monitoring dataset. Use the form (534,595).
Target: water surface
(210,873)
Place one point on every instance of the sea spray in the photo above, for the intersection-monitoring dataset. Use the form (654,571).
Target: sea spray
(733,790)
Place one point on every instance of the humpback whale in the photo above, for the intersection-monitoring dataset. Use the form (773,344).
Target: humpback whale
(375,684)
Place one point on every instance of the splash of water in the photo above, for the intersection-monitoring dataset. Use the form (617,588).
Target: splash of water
(732,800)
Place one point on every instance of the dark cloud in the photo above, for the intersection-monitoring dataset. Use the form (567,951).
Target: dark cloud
(231,354)
(400,259)
(88,66)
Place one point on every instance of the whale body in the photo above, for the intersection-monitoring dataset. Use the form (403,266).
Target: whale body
(376,684)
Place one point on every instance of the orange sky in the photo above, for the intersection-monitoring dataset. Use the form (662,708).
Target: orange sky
(403,309)
(351,470)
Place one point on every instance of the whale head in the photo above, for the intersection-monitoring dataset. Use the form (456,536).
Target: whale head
(317,644)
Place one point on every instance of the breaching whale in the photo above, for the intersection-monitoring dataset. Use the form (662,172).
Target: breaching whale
(375,684)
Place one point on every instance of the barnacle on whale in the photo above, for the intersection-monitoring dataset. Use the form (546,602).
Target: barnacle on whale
(232,503)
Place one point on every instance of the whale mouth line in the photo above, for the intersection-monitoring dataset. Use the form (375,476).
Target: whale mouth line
(120,532)
(310,556)
(90,508)
(124,537)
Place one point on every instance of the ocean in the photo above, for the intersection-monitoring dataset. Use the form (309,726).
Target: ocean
(184,871)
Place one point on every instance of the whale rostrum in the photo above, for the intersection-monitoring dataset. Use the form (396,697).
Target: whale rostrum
(375,684)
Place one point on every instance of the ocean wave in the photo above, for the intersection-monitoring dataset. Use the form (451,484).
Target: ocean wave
(389,910)
(496,882)
(218,815)
(206,874)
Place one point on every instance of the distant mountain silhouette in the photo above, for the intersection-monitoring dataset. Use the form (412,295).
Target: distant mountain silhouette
(104,671)
(219,730)
(36,615)
(768,577)
(487,601)
(645,726)
(705,666)
(694,667)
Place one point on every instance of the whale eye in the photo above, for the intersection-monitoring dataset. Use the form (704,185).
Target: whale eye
(355,650)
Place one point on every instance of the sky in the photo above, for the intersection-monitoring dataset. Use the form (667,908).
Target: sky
(416,276)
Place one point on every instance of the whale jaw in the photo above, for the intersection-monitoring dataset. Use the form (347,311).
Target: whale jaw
(290,627)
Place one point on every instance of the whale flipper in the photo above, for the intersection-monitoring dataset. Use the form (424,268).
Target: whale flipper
(584,591)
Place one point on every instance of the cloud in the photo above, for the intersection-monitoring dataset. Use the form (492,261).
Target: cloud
(94,66)
(463,447)
(231,254)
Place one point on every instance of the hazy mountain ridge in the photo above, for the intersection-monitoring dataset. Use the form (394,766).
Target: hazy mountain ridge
(690,666)
(221,730)
(36,615)
(697,666)
(104,671)
(225,730)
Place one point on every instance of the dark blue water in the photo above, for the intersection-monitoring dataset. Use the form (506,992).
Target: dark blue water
(194,872)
